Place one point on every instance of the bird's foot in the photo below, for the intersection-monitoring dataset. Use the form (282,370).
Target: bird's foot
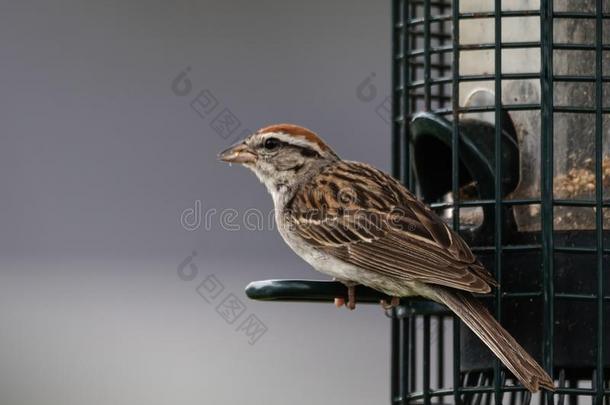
(394,302)
(351,298)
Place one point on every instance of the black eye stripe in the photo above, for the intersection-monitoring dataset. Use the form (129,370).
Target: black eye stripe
(304,150)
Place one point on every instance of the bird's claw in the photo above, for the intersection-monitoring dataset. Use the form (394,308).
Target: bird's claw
(394,302)
(349,304)
(351,298)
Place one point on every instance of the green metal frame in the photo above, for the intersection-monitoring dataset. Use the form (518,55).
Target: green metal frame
(412,38)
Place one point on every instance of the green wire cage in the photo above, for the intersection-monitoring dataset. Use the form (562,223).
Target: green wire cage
(501,122)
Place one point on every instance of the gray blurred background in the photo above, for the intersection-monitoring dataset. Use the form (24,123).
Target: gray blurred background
(104,149)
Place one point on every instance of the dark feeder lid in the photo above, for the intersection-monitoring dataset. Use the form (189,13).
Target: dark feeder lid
(431,138)
(575,322)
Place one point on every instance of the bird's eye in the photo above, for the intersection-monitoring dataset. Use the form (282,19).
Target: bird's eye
(271,143)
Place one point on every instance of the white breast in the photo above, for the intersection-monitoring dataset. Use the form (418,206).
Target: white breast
(342,271)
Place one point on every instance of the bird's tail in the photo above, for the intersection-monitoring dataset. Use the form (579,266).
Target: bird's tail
(472,312)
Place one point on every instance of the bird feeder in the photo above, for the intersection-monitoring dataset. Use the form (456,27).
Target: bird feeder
(513,99)
(501,122)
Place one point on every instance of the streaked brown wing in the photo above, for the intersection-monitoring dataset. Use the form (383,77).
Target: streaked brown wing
(383,228)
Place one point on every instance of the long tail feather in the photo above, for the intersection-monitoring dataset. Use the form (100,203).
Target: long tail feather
(472,312)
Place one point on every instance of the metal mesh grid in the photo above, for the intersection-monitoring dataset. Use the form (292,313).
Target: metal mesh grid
(426,77)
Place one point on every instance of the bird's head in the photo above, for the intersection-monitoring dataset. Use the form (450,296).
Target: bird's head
(281,155)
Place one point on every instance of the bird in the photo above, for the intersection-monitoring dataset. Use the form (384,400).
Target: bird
(361,226)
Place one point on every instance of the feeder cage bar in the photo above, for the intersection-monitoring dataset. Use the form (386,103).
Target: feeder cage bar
(599,228)
(546,135)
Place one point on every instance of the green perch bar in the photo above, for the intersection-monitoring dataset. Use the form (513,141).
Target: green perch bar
(326,291)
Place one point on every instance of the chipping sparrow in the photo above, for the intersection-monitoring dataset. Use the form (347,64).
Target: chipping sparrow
(361,226)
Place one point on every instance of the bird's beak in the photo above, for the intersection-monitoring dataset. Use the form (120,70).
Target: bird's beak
(238,153)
